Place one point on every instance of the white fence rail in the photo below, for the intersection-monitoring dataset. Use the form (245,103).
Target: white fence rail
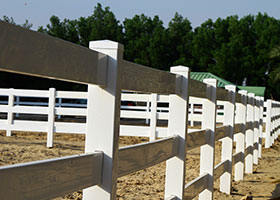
(239,116)
(143,106)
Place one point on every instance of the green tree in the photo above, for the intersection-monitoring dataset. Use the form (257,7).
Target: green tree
(180,37)
(102,24)
(66,29)
(202,46)
(275,64)
(11,20)
(144,41)
(235,46)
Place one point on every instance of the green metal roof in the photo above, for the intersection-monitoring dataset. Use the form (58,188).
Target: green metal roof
(258,91)
(199,76)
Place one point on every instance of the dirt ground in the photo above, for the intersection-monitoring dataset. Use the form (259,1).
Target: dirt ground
(146,184)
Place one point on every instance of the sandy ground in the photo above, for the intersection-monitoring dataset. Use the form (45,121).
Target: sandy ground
(264,183)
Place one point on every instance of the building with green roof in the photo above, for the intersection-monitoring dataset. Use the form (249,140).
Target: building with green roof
(258,91)
(199,76)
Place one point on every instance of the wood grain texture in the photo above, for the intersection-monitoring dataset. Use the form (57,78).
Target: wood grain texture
(237,157)
(248,150)
(196,186)
(220,169)
(222,94)
(137,77)
(238,98)
(256,124)
(196,139)
(221,132)
(197,89)
(256,145)
(50,178)
(238,128)
(249,125)
(44,56)
(136,157)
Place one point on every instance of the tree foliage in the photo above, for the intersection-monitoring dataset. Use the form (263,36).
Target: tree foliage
(11,20)
(236,49)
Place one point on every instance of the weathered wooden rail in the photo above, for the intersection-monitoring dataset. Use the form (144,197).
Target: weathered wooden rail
(105,72)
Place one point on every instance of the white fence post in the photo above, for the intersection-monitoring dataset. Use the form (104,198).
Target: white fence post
(278,111)
(250,134)
(276,131)
(227,142)
(148,111)
(261,126)
(51,117)
(276,120)
(103,121)
(240,137)
(272,123)
(191,113)
(59,105)
(177,124)
(256,130)
(207,152)
(268,124)
(17,103)
(10,117)
(153,117)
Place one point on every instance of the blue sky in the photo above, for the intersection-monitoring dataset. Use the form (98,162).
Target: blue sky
(38,12)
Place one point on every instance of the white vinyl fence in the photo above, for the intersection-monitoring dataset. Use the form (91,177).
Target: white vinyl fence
(107,74)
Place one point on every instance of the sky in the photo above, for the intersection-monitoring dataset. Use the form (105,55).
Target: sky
(38,12)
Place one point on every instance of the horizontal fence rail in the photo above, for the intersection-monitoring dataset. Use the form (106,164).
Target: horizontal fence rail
(47,179)
(136,157)
(76,63)
(139,78)
(196,186)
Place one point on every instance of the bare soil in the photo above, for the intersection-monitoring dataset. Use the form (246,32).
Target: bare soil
(146,184)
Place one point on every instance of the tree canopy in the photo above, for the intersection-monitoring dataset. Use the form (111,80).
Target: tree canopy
(236,49)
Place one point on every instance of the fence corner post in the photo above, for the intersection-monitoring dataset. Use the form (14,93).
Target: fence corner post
(227,142)
(177,124)
(207,152)
(103,120)
(240,137)
(51,117)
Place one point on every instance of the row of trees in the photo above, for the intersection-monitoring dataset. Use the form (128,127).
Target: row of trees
(236,49)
